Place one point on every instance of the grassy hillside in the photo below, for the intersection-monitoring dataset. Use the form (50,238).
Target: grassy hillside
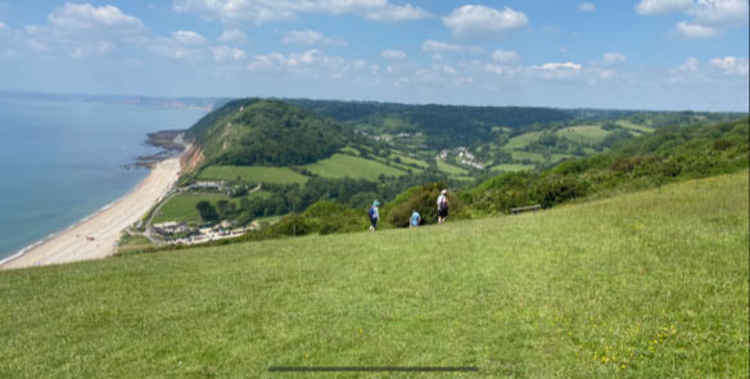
(266,132)
(649,284)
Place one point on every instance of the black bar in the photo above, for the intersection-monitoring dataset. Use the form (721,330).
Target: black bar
(370,369)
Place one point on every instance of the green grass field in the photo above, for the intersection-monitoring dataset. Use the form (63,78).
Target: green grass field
(451,169)
(255,174)
(591,134)
(629,125)
(521,141)
(648,285)
(512,167)
(407,159)
(523,155)
(340,165)
(182,207)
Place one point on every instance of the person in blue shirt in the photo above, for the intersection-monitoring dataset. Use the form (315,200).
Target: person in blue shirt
(374,215)
(415,219)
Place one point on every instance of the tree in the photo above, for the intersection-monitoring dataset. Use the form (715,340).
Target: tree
(207,211)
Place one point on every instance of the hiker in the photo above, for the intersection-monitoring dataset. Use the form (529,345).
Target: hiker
(415,219)
(374,215)
(442,206)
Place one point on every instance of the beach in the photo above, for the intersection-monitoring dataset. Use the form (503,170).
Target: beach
(96,236)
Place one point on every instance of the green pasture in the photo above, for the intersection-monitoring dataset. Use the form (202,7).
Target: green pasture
(512,167)
(341,165)
(586,134)
(632,126)
(645,285)
(182,208)
(254,174)
(521,141)
(526,155)
(407,159)
(450,169)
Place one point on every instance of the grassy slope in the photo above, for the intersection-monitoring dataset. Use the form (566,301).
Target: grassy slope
(340,165)
(519,142)
(650,284)
(254,174)
(512,167)
(450,169)
(587,134)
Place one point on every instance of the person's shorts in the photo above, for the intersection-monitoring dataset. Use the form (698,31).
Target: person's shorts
(373,222)
(443,213)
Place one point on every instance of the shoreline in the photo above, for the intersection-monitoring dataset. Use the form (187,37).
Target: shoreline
(103,226)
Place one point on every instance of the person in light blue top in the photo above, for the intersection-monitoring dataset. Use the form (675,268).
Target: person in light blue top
(415,219)
(374,215)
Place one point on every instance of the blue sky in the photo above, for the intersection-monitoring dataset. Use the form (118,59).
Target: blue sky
(644,54)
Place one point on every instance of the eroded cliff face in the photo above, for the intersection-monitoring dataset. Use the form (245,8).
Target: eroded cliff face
(192,158)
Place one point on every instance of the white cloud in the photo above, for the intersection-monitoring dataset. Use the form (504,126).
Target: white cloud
(232,35)
(188,37)
(719,12)
(690,30)
(690,65)
(227,54)
(478,19)
(3,26)
(708,15)
(301,62)
(731,65)
(393,54)
(87,16)
(394,13)
(431,46)
(651,7)
(506,57)
(310,37)
(586,7)
(436,46)
(262,11)
(612,58)
(555,70)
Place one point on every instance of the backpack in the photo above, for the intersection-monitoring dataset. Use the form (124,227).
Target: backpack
(443,202)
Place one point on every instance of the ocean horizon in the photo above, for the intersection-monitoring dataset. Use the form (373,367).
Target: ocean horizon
(62,161)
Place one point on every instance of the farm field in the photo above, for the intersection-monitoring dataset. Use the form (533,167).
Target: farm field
(521,141)
(586,134)
(450,169)
(649,284)
(512,167)
(341,165)
(253,174)
(526,155)
(182,207)
(408,159)
(632,126)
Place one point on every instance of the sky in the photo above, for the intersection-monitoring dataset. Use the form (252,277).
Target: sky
(643,54)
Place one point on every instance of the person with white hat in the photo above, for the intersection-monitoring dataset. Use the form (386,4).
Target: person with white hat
(442,206)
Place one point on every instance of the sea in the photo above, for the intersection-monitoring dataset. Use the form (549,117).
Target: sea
(61,161)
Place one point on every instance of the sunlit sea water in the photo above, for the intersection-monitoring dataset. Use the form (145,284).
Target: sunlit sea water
(61,161)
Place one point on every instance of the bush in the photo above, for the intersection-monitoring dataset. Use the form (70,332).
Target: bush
(556,189)
(423,199)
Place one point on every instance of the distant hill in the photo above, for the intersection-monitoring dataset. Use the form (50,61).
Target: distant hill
(444,125)
(266,132)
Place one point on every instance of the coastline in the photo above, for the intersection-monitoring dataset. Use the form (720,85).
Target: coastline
(103,226)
